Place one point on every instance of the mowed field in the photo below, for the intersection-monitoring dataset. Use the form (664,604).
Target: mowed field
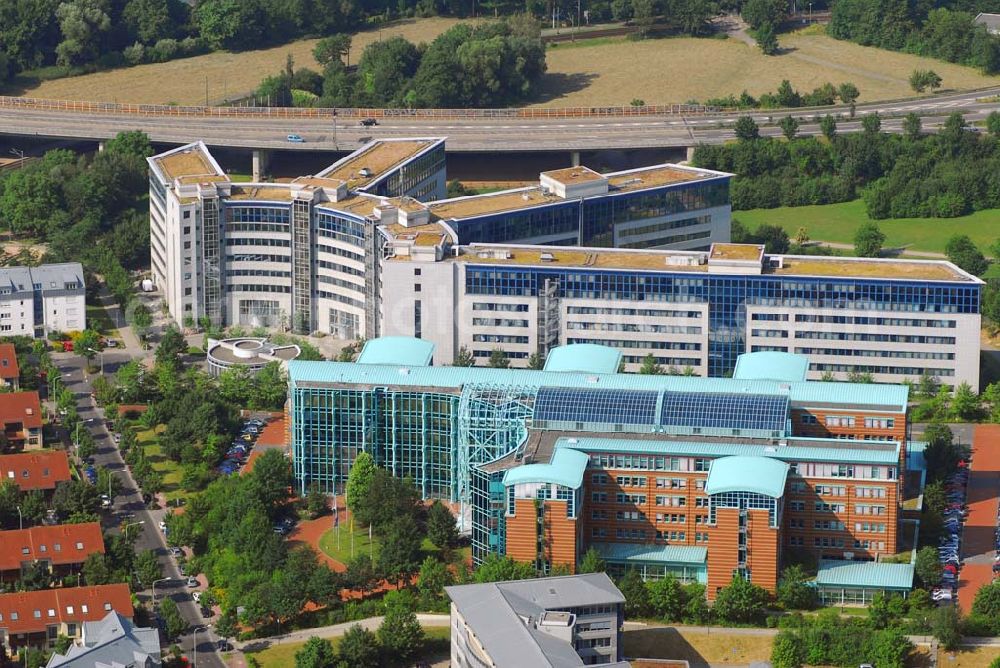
(837,223)
(676,70)
(229,75)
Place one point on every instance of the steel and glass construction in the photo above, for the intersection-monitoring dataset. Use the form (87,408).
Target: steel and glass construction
(674,474)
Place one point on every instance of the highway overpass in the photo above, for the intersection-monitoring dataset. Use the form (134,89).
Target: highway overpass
(527,130)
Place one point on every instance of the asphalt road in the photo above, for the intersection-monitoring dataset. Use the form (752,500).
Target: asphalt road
(128,505)
(472,135)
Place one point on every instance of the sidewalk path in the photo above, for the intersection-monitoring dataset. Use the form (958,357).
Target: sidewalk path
(977,537)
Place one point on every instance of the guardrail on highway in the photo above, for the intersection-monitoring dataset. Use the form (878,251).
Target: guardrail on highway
(38,104)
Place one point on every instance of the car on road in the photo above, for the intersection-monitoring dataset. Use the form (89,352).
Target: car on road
(163,526)
(295,138)
(105,501)
(368,122)
(192,582)
(176,552)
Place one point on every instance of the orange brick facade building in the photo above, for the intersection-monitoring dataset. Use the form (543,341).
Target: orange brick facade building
(706,507)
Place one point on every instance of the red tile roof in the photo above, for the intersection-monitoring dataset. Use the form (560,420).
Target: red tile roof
(41,469)
(8,362)
(35,610)
(23,407)
(61,544)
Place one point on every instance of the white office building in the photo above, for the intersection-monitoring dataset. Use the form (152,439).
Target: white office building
(307,255)
(35,301)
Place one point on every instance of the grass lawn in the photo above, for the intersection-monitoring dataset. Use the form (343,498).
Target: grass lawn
(362,547)
(699,649)
(229,75)
(169,469)
(281,656)
(97,318)
(969,657)
(837,223)
(675,70)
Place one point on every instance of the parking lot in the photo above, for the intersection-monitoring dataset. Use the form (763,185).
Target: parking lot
(979,539)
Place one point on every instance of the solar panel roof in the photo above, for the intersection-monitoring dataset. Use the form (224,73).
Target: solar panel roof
(565,404)
(711,410)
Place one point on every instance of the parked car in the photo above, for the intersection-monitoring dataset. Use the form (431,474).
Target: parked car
(176,552)
(192,582)
(163,526)
(196,597)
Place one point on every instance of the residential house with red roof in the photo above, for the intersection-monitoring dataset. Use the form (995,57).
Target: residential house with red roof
(21,417)
(62,548)
(41,469)
(10,374)
(37,618)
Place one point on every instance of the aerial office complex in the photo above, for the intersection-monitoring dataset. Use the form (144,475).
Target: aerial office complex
(308,254)
(35,301)
(698,477)
(354,252)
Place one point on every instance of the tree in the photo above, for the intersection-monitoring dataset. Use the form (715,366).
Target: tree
(921,80)
(441,527)
(666,598)
(358,648)
(746,129)
(400,633)
(912,127)
(399,552)
(536,362)
(130,142)
(316,653)
(464,358)
(226,626)
(334,47)
(643,13)
(928,567)
(359,481)
(498,359)
(147,567)
(993,123)
(316,501)
(848,93)
(84,25)
(495,568)
(828,126)
(741,601)
(794,591)
(759,13)
(868,240)
(95,569)
(88,345)
(767,40)
(433,578)
(172,346)
(961,251)
(650,367)
(774,238)
(271,478)
(787,651)
(965,405)
(174,623)
(872,123)
(801,236)
(636,595)
(789,127)
(986,605)
(945,626)
(592,562)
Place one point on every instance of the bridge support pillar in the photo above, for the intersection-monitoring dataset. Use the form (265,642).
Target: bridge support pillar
(690,153)
(261,160)
(101,145)
(574,158)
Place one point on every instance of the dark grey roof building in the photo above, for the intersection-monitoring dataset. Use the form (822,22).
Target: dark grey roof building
(556,622)
(112,642)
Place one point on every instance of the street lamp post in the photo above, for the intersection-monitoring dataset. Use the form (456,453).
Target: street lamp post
(20,519)
(194,643)
(154,587)
(76,433)
(125,531)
